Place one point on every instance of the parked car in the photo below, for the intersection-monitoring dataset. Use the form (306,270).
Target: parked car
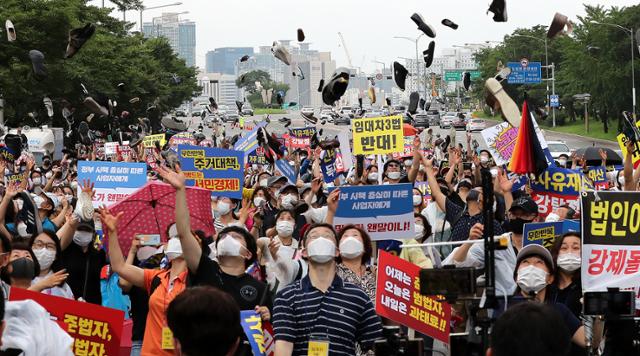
(433,116)
(180,113)
(459,122)
(342,120)
(231,115)
(347,110)
(398,110)
(558,148)
(421,119)
(476,125)
(247,111)
(307,110)
(447,118)
(211,120)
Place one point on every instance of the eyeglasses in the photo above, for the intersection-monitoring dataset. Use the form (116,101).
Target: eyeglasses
(39,244)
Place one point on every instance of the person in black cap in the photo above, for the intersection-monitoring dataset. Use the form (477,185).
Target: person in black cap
(82,260)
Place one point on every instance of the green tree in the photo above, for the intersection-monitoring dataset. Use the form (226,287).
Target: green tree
(248,80)
(147,67)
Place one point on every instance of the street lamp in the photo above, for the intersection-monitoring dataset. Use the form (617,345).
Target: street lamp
(383,65)
(416,40)
(633,79)
(155,7)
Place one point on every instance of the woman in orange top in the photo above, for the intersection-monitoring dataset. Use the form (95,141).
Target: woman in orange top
(161,285)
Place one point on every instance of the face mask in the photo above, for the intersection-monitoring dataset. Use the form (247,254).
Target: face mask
(37,181)
(23,268)
(372,177)
(48,175)
(569,262)
(321,250)
(144,252)
(531,279)
(258,201)
(38,200)
(417,200)
(223,208)
(284,228)
(74,185)
(22,229)
(351,247)
(419,231)
(562,162)
(276,194)
(263,183)
(45,257)
(174,249)
(494,172)
(229,246)
(68,197)
(553,217)
(83,238)
(288,201)
(484,159)
(393,175)
(517,225)
(408,163)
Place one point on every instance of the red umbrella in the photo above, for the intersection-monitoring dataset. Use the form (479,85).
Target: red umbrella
(151,210)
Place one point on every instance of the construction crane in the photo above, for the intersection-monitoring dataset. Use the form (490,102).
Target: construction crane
(346,50)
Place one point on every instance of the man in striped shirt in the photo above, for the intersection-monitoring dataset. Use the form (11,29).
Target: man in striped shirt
(320,309)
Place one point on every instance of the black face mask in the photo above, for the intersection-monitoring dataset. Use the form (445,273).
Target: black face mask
(517,225)
(23,268)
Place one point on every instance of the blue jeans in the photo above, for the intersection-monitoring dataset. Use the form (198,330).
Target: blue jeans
(136,347)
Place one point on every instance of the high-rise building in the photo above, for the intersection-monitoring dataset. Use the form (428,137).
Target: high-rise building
(222,87)
(181,34)
(224,60)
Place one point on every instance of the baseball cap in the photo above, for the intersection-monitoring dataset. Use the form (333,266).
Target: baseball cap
(274,179)
(535,250)
(525,203)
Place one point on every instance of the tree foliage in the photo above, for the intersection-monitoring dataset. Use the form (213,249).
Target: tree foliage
(248,80)
(147,67)
(596,59)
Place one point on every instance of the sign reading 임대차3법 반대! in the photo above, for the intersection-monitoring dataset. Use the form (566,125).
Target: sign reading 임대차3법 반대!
(377,135)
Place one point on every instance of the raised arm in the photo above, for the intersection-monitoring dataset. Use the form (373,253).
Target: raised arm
(628,168)
(506,185)
(190,247)
(133,274)
(436,193)
(10,193)
(65,233)
(417,158)
(332,205)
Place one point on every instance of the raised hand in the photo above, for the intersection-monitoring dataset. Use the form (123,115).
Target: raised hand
(175,178)
(87,187)
(108,219)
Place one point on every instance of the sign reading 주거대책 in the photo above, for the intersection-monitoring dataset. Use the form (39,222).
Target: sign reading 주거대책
(377,135)
(215,169)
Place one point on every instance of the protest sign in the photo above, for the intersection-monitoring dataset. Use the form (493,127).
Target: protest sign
(114,181)
(635,156)
(345,151)
(398,298)
(300,137)
(545,233)
(556,187)
(111,149)
(257,156)
(610,240)
(598,176)
(250,142)
(96,330)
(501,139)
(408,148)
(377,135)
(182,138)
(13,179)
(424,188)
(215,169)
(252,326)
(287,170)
(383,211)
(124,151)
(7,154)
(150,140)
(328,165)
(98,148)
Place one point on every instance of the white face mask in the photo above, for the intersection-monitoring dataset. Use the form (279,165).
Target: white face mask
(351,247)
(562,162)
(372,177)
(45,257)
(408,163)
(484,159)
(74,185)
(263,183)
(494,172)
(419,231)
(531,279)
(37,181)
(258,201)
(229,246)
(288,201)
(83,238)
(284,228)
(174,249)
(48,175)
(321,250)
(569,262)
(38,200)
(417,200)
(22,230)
(393,175)
(223,208)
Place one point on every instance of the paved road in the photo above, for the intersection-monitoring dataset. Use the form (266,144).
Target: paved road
(329,130)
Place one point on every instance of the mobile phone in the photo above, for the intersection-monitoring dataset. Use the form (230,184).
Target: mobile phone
(149,239)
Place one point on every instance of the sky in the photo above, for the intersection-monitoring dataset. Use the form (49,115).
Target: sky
(368,26)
